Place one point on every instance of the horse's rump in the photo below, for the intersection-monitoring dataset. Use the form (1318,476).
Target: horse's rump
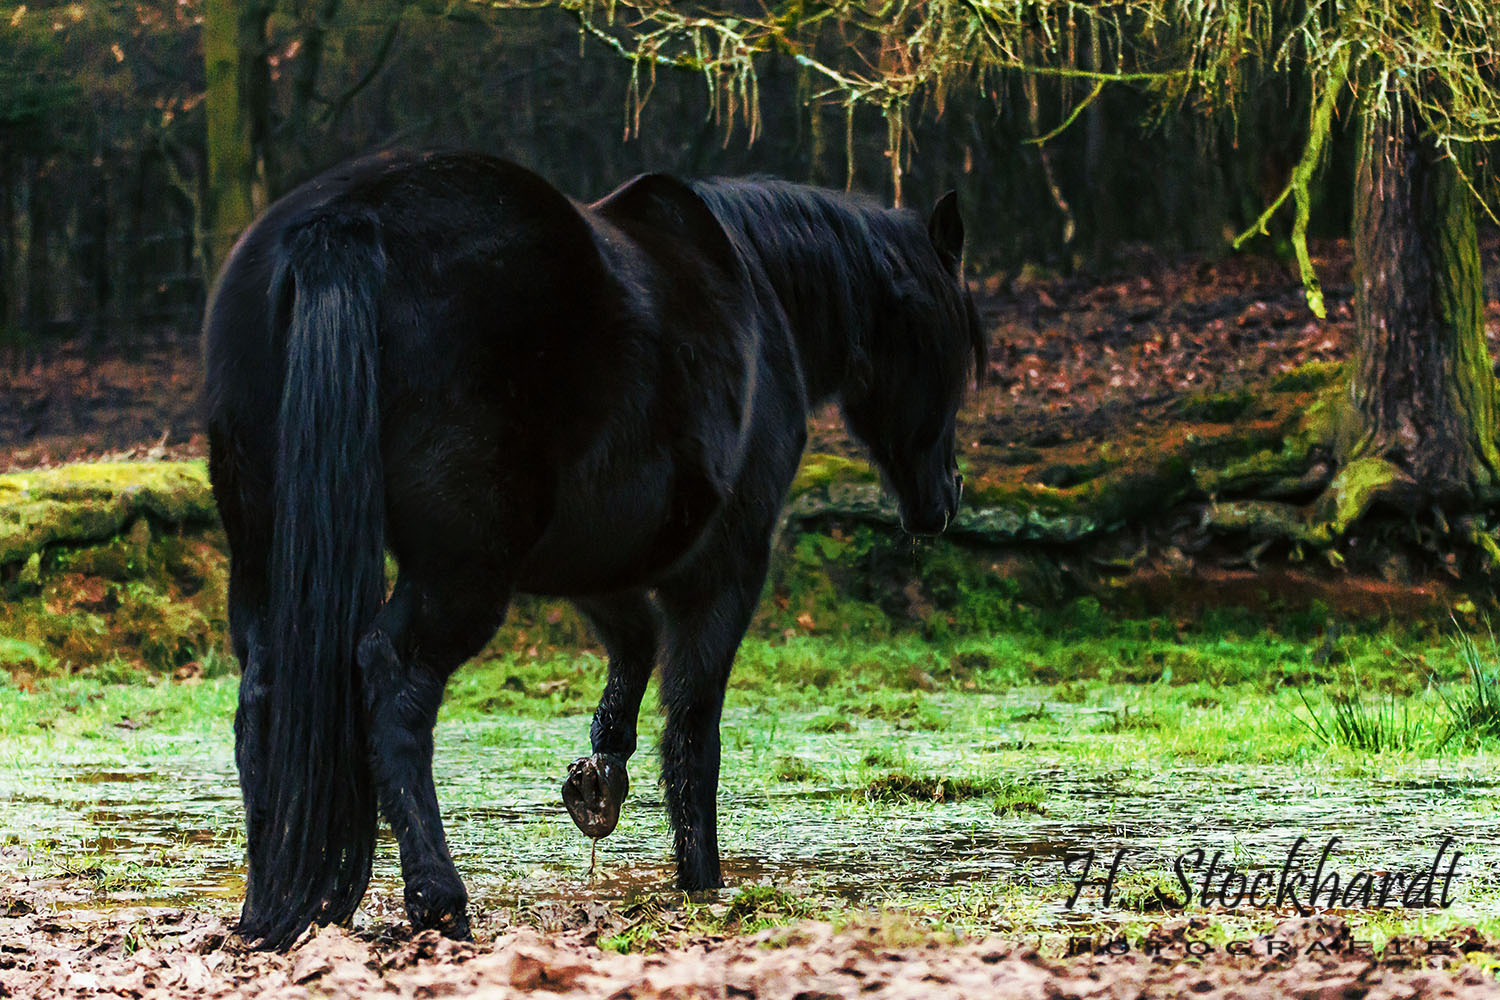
(532,334)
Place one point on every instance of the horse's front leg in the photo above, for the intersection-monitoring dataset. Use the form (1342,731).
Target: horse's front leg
(596,785)
(706,617)
(420,637)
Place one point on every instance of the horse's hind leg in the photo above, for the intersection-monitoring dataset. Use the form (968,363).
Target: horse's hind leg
(424,632)
(244,503)
(596,785)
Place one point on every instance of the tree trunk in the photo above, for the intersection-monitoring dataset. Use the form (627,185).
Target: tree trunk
(234,33)
(38,267)
(95,313)
(10,298)
(1422,383)
(305,72)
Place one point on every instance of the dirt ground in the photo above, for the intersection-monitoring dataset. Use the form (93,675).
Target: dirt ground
(164,953)
(1071,358)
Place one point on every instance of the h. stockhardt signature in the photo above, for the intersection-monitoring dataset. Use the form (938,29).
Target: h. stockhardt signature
(1208,880)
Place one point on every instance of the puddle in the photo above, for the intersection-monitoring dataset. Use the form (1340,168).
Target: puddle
(170,806)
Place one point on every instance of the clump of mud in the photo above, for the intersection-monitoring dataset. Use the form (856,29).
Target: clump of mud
(171,953)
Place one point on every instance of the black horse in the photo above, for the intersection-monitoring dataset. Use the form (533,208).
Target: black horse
(443,356)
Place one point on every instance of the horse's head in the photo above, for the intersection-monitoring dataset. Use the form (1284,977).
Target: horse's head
(905,390)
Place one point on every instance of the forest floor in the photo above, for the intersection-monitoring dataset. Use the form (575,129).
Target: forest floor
(189,954)
(1073,359)
(896,808)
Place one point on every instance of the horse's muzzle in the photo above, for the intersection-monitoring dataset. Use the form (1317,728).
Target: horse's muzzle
(932,519)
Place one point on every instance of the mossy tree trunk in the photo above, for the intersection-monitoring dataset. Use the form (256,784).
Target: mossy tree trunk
(1422,386)
(238,96)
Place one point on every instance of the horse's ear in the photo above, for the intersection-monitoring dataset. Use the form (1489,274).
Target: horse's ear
(669,205)
(946,227)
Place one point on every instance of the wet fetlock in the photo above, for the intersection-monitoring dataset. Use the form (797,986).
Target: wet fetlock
(697,862)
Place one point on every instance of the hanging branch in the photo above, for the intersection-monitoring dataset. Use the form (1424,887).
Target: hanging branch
(1300,185)
(1200,54)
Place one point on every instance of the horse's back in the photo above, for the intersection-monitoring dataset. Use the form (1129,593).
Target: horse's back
(537,357)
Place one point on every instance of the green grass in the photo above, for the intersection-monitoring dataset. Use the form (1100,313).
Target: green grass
(106,876)
(794,769)
(654,920)
(1474,709)
(1375,725)
(1008,794)
(1148,892)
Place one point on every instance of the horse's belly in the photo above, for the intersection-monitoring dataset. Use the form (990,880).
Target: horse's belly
(605,536)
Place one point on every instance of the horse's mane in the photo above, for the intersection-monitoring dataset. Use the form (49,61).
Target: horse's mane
(832,257)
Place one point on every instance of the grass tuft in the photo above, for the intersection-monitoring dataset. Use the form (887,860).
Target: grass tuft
(1148,892)
(107,876)
(1474,713)
(792,768)
(1010,795)
(1381,725)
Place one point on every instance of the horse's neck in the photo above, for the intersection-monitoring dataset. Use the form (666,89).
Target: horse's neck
(827,342)
(829,315)
(814,248)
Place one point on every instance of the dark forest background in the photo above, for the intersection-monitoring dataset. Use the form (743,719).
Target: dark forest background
(102,146)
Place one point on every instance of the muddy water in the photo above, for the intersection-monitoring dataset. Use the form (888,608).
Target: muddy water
(164,812)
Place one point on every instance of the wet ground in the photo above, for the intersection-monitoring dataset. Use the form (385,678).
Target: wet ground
(150,819)
(122,873)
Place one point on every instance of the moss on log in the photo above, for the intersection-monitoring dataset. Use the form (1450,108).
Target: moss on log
(1355,490)
(1260,519)
(93,502)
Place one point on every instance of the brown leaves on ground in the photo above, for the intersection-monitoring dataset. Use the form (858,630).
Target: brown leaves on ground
(175,953)
(1072,358)
(1083,358)
(67,402)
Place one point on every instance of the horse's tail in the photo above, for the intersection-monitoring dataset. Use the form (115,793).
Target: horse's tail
(313,839)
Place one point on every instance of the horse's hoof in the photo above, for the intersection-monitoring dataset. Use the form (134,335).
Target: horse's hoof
(594,791)
(433,907)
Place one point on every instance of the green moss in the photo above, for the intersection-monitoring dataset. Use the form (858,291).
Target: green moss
(143,599)
(820,470)
(1257,470)
(20,656)
(90,502)
(1356,488)
(1047,501)
(1216,407)
(1308,377)
(1065,474)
